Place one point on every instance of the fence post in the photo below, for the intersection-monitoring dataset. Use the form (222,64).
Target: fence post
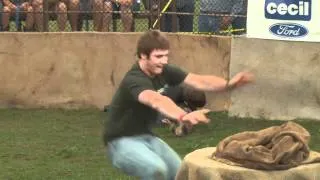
(45,15)
(174,19)
(17,15)
(162,18)
(87,14)
(155,10)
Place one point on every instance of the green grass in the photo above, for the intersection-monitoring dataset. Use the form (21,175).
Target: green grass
(67,144)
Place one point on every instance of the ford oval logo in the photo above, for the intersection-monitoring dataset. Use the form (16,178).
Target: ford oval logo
(290,30)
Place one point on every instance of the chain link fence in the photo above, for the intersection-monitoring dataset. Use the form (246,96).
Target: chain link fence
(223,17)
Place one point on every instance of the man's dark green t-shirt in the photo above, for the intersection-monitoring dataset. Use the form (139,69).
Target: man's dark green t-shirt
(126,115)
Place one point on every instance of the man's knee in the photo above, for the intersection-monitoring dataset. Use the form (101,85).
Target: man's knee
(97,3)
(37,3)
(6,9)
(61,7)
(74,4)
(107,6)
(138,161)
(126,8)
(29,9)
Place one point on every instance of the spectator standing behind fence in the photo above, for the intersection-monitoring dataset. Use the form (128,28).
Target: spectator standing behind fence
(10,7)
(185,21)
(102,13)
(60,7)
(226,7)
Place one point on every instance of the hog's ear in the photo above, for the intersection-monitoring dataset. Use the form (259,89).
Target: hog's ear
(193,97)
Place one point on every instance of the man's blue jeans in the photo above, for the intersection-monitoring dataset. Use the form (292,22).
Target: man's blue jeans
(185,22)
(144,156)
(212,24)
(209,23)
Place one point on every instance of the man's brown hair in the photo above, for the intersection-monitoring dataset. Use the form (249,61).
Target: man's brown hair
(151,40)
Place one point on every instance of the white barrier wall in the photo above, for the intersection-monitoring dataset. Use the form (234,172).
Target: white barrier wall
(287,79)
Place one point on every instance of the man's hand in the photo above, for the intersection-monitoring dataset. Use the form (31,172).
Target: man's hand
(240,79)
(195,117)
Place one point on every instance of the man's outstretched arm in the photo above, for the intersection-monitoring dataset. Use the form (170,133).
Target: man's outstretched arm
(216,83)
(166,106)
